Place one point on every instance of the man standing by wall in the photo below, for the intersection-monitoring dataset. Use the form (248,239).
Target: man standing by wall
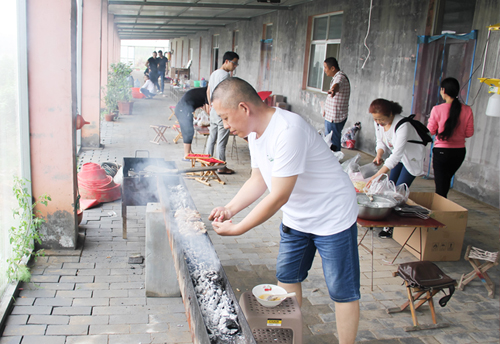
(162,69)
(337,101)
(217,131)
(317,198)
(152,65)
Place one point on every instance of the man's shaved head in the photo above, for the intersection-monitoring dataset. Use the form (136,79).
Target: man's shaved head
(233,91)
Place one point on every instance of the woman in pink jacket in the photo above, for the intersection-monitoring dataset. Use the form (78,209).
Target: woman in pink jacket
(451,122)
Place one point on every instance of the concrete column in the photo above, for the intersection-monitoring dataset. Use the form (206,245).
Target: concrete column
(52,112)
(91,72)
(104,48)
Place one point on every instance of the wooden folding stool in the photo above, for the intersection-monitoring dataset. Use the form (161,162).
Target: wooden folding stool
(172,108)
(177,128)
(474,256)
(159,130)
(210,175)
(423,280)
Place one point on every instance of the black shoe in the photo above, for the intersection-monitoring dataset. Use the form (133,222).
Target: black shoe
(385,234)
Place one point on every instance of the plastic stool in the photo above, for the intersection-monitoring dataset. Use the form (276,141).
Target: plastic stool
(280,324)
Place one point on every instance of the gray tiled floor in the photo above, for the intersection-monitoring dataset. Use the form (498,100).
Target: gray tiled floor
(94,296)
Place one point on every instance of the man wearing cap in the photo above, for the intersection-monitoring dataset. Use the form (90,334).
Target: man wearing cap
(152,65)
(162,69)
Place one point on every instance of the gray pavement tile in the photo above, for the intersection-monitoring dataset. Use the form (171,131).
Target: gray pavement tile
(11,339)
(24,330)
(57,286)
(92,286)
(17,319)
(486,336)
(454,338)
(32,310)
(172,336)
(128,319)
(129,339)
(77,279)
(110,293)
(53,301)
(93,272)
(109,329)
(45,278)
(63,259)
(67,330)
(62,272)
(48,319)
(74,293)
(88,319)
(364,335)
(94,301)
(24,301)
(44,339)
(37,293)
(72,310)
(95,339)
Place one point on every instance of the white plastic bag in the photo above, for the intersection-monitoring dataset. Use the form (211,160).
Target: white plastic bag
(339,155)
(203,119)
(351,165)
(328,139)
(385,187)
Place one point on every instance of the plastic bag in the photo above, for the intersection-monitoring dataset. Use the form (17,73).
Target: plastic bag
(339,155)
(203,119)
(351,165)
(385,187)
(348,139)
(328,139)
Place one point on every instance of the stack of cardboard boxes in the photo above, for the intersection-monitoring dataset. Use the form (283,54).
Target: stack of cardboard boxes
(278,101)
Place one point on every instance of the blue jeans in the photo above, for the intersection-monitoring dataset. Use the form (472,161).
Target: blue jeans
(399,175)
(147,93)
(161,82)
(336,129)
(339,255)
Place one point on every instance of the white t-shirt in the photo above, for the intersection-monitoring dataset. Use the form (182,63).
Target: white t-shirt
(396,142)
(215,79)
(323,201)
(148,85)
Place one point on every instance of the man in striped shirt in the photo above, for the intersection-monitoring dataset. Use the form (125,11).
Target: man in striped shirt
(337,101)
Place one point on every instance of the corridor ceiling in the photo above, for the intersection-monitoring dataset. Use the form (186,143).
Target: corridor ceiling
(168,19)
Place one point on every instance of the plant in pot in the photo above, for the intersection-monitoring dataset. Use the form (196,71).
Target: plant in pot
(118,77)
(111,103)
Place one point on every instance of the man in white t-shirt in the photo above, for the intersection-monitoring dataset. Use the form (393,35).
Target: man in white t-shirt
(217,131)
(307,183)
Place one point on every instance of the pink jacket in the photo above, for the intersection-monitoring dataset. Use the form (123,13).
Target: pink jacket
(464,128)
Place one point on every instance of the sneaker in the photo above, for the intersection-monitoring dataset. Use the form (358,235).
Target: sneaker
(386,233)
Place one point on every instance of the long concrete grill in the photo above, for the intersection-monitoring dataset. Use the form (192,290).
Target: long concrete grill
(214,315)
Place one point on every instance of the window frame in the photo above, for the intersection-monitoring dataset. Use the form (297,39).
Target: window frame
(325,42)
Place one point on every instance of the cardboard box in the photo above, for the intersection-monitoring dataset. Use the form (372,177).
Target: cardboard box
(279,99)
(284,106)
(443,244)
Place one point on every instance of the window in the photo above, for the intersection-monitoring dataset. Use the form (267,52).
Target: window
(454,16)
(235,41)
(215,52)
(325,42)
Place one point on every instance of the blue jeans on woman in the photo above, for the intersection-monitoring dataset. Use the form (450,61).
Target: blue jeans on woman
(399,175)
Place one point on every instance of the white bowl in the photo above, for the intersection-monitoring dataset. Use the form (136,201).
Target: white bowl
(264,290)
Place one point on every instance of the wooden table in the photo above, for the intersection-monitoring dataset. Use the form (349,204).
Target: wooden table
(395,220)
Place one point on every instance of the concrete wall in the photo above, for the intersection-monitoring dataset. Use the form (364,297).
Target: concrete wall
(388,73)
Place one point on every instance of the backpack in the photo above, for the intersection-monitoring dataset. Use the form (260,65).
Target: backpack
(421,129)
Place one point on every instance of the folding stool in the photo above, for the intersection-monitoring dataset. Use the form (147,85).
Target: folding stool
(280,324)
(474,256)
(423,280)
(172,108)
(159,130)
(177,128)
